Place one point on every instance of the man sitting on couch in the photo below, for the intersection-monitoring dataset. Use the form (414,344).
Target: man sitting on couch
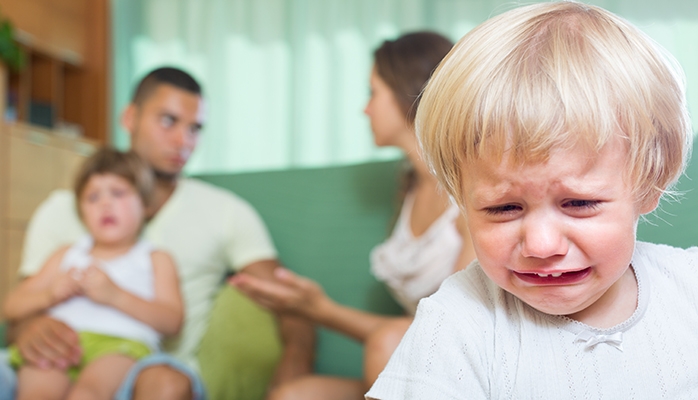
(208,231)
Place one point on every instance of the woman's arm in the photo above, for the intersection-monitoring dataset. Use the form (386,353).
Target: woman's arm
(293,294)
(164,313)
(42,291)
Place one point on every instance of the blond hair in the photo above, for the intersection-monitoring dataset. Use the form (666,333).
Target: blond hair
(553,76)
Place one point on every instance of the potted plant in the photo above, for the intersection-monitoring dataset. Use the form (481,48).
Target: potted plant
(10,53)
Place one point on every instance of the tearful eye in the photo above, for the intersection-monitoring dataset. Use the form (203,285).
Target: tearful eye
(504,209)
(581,204)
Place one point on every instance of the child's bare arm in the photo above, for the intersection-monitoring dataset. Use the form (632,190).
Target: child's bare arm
(164,313)
(41,291)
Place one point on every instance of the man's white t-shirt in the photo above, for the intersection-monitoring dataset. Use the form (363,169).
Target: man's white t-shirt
(207,230)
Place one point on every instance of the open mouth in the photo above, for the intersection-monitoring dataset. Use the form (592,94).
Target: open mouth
(557,278)
(106,221)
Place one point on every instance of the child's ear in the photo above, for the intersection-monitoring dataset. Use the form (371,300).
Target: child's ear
(649,203)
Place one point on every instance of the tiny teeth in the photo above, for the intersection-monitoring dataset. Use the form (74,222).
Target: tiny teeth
(543,275)
(557,275)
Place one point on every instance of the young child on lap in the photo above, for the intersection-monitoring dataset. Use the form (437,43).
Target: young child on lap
(112,287)
(555,127)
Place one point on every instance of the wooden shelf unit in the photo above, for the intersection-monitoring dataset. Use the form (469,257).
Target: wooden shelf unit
(53,113)
(50,93)
(67,49)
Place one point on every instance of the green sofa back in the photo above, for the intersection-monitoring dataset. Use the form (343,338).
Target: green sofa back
(324,223)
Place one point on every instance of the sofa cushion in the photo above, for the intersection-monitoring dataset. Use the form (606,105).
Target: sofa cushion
(240,349)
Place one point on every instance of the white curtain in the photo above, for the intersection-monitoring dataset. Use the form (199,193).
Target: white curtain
(286,80)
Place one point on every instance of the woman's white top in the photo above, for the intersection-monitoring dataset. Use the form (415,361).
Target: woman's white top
(132,272)
(414,267)
(473,340)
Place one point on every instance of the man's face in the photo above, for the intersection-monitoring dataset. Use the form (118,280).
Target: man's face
(165,128)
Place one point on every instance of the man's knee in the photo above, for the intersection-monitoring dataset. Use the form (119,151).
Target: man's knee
(162,383)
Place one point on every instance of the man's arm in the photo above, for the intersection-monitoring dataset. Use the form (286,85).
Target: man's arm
(46,342)
(297,334)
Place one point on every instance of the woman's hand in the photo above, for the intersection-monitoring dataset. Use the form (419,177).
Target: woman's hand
(287,293)
(97,286)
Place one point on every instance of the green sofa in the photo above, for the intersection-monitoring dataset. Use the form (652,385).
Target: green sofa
(324,223)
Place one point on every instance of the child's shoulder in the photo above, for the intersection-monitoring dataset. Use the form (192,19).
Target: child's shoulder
(470,280)
(665,256)
(666,262)
(145,246)
(471,290)
(158,255)
(161,256)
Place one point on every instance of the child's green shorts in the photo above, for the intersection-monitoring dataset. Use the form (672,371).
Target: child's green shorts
(94,346)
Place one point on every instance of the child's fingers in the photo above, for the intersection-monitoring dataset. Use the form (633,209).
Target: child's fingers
(75,274)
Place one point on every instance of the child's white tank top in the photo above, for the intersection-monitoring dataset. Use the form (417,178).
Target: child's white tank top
(132,272)
(414,267)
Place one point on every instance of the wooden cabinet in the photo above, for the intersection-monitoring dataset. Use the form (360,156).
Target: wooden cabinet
(64,84)
(59,26)
(53,113)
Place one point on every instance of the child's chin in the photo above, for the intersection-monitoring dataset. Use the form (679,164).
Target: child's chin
(561,310)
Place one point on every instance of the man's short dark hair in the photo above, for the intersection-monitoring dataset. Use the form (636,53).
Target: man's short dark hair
(164,76)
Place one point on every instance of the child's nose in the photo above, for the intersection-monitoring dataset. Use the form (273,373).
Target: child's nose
(106,201)
(543,237)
